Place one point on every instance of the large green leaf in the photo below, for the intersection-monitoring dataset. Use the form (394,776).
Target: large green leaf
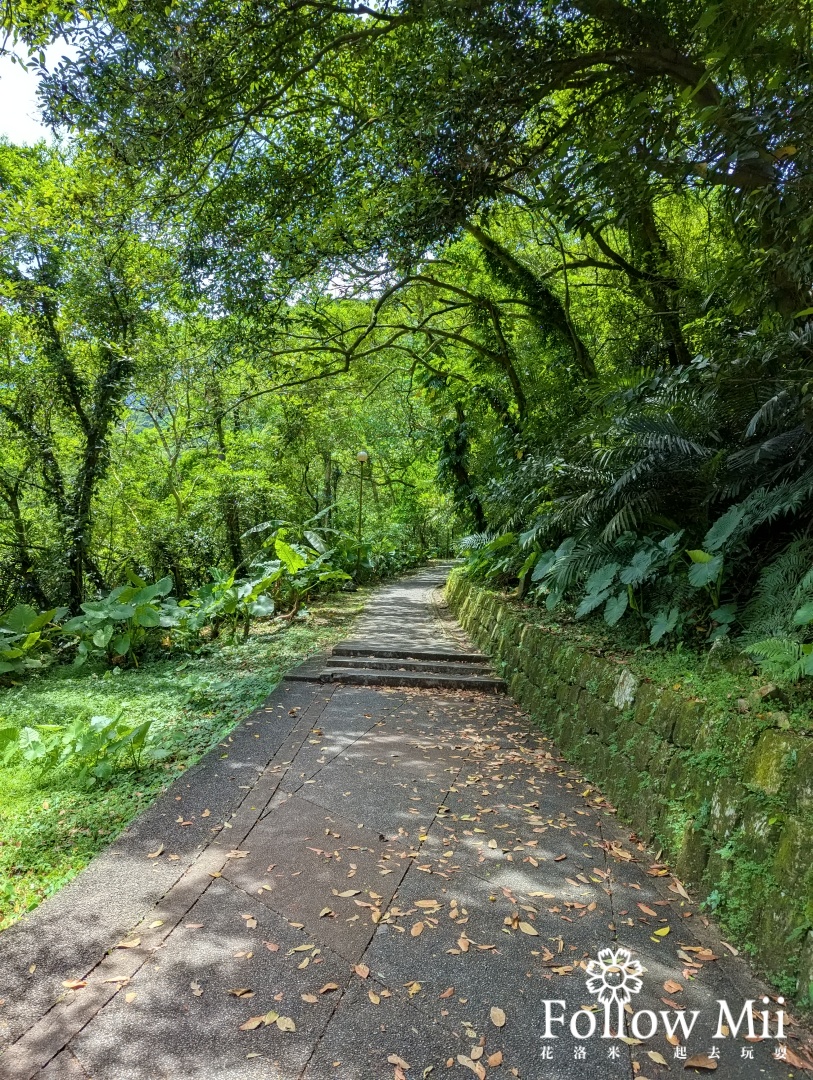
(704,573)
(292,559)
(615,608)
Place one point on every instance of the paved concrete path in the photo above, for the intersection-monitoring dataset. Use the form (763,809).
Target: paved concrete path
(366,883)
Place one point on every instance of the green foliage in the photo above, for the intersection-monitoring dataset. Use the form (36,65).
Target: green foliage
(93,747)
(120,625)
(26,638)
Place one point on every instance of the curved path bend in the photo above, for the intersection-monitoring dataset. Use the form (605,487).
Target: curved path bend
(379,881)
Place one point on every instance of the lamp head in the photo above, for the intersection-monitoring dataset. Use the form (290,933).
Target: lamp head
(362,456)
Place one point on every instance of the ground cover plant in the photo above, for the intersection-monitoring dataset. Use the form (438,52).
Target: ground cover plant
(58,811)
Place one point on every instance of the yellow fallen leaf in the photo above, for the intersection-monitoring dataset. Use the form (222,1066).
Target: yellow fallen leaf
(497,1017)
(325,912)
(526,928)
(664,930)
(659,1059)
(373,996)
(133,943)
(328,987)
(285,1023)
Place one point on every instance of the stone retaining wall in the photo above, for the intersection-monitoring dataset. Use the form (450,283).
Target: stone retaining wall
(729,799)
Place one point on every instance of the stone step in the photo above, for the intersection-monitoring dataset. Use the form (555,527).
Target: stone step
(406,652)
(365,677)
(399,664)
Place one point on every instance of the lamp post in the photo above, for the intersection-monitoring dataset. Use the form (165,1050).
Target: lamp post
(361,457)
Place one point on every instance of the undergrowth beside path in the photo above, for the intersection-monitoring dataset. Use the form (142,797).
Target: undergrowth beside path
(52,824)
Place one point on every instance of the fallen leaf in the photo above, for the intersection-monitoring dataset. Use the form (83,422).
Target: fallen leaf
(659,1059)
(133,943)
(475,1066)
(493,1060)
(325,912)
(497,1017)
(236,853)
(648,911)
(74,984)
(310,998)
(193,926)
(700,1061)
(393,1059)
(196,989)
(662,932)
(155,854)
(447,993)
(129,998)
(271,946)
(285,1023)
(672,987)
(373,996)
(347,893)
(251,1024)
(526,928)
(328,987)
(242,992)
(417,929)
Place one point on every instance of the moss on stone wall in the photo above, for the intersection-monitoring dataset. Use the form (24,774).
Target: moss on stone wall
(728,797)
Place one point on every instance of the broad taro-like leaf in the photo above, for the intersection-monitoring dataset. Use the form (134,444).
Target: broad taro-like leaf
(704,573)
(665,622)
(615,608)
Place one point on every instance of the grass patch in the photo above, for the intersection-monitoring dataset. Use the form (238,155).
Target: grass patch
(50,826)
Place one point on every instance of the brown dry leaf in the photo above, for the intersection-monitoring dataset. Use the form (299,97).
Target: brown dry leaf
(74,984)
(447,993)
(133,943)
(393,1059)
(427,903)
(673,1040)
(325,912)
(328,987)
(463,943)
(236,853)
(310,998)
(254,1022)
(497,1017)
(672,987)
(413,988)
(648,911)
(155,854)
(242,992)
(271,946)
(475,1066)
(493,1060)
(526,928)
(347,893)
(700,1061)
(373,996)
(659,1059)
(797,1062)
(361,970)
(416,930)
(285,1023)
